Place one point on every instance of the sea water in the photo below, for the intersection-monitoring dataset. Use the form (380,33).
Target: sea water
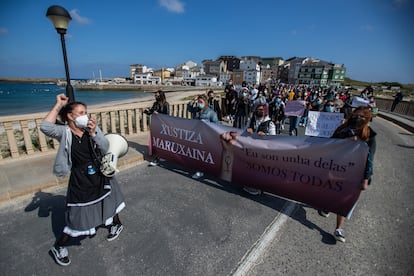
(26,98)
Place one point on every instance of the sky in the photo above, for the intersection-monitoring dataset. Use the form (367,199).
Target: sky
(374,39)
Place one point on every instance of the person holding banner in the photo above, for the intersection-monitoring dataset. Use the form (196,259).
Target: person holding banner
(261,124)
(202,112)
(92,199)
(159,106)
(356,127)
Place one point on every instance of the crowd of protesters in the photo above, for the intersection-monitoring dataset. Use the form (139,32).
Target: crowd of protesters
(262,110)
(240,102)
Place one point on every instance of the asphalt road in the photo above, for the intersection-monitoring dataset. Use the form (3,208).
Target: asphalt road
(175,225)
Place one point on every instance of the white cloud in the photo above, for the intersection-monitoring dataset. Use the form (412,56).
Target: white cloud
(3,31)
(367,28)
(78,18)
(172,5)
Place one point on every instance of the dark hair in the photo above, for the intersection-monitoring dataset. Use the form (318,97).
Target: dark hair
(162,97)
(203,97)
(68,109)
(329,102)
(363,132)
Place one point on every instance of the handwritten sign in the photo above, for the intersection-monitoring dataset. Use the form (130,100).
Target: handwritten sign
(358,101)
(323,124)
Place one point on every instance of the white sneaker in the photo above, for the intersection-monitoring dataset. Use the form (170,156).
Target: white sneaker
(198,175)
(61,255)
(252,191)
(323,213)
(114,232)
(339,235)
(152,164)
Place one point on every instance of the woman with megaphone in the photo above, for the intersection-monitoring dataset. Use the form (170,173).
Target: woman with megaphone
(92,199)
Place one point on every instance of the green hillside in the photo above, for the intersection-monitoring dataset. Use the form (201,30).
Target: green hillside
(407,89)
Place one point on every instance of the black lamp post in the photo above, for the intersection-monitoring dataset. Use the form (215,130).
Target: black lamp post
(60,19)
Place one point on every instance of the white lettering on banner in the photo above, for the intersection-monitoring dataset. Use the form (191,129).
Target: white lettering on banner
(182,134)
(183,150)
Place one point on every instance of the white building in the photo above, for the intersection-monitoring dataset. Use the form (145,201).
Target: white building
(206,81)
(137,69)
(147,79)
(251,71)
(190,64)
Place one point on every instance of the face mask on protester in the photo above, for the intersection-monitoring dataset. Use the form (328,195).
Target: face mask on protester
(201,105)
(82,121)
(278,100)
(259,113)
(356,122)
(244,94)
(329,108)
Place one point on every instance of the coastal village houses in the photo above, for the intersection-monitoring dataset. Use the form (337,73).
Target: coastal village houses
(249,69)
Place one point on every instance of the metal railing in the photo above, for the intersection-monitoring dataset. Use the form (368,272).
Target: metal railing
(403,108)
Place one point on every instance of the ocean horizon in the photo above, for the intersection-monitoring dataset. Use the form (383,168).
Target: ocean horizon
(27,98)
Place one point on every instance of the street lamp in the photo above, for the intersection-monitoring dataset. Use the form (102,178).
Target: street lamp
(60,19)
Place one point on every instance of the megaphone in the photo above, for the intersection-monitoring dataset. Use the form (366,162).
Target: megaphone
(118,147)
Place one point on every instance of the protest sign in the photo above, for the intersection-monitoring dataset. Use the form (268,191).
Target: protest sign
(358,101)
(323,124)
(323,173)
(295,108)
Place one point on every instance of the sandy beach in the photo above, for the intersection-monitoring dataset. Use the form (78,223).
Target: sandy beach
(172,97)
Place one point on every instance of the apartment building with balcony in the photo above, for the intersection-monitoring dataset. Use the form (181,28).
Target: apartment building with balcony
(322,73)
(137,69)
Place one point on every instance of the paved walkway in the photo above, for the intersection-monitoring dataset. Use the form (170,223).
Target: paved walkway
(28,175)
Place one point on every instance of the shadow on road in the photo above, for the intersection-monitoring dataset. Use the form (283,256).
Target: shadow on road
(54,206)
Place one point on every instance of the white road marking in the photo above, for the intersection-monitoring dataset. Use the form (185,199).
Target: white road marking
(251,257)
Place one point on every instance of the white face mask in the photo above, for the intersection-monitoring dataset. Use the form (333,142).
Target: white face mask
(82,121)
